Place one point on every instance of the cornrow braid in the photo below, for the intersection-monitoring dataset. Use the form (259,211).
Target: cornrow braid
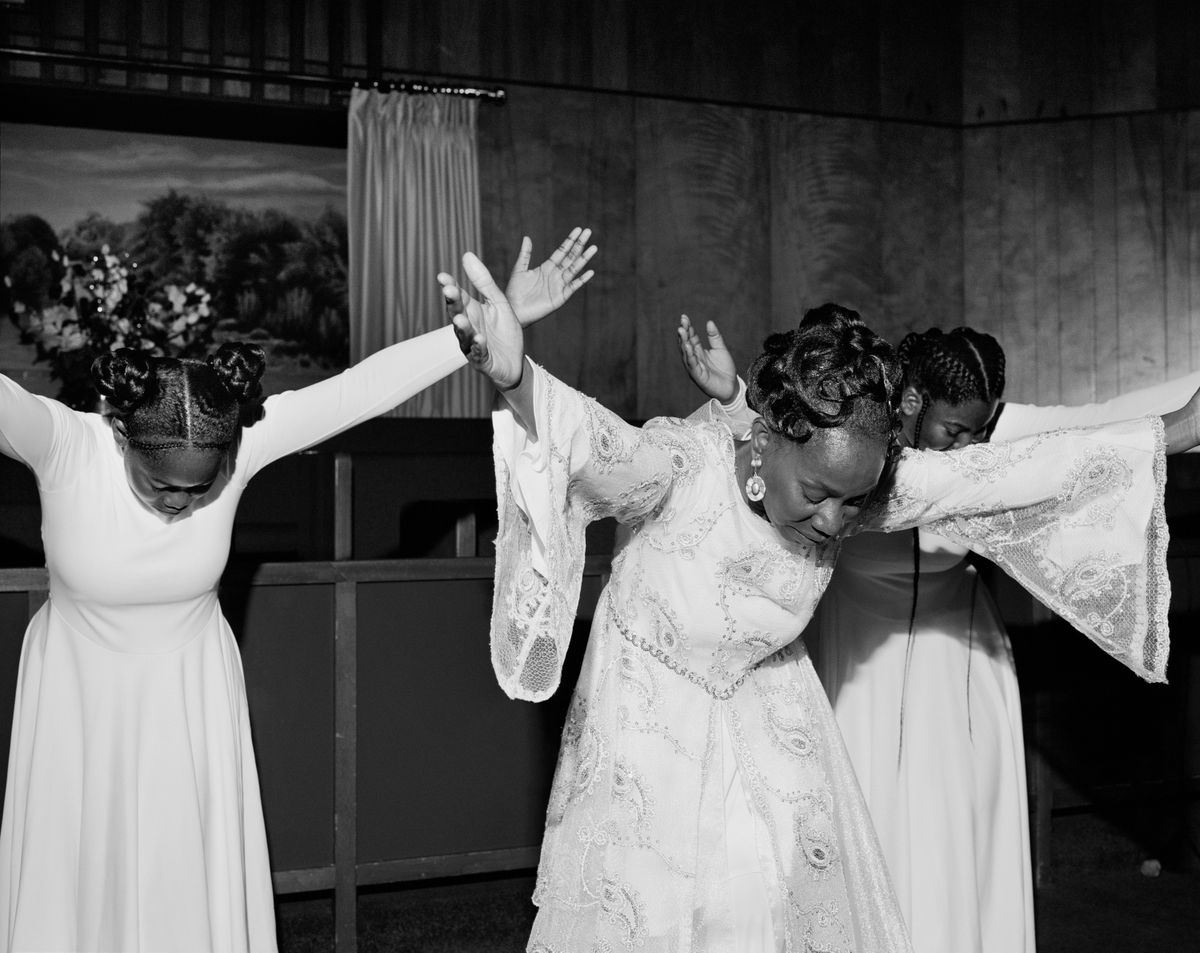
(167,403)
(955,368)
(962,365)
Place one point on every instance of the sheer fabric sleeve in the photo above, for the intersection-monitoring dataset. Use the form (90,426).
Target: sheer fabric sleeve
(1076,517)
(41,433)
(1023,420)
(298,419)
(585,464)
(736,415)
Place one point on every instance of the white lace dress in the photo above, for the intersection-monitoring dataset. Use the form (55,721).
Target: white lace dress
(703,800)
(132,819)
(945,784)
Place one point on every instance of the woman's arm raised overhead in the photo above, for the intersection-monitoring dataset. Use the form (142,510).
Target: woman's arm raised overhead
(36,431)
(298,419)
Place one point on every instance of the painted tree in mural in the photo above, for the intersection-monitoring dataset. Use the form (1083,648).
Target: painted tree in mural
(187,273)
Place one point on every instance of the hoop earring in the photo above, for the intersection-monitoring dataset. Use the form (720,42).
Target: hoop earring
(756,486)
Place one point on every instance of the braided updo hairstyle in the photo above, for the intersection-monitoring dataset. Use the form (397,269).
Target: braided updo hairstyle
(962,365)
(167,403)
(831,371)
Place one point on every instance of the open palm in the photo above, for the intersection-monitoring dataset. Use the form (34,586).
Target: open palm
(536,292)
(712,369)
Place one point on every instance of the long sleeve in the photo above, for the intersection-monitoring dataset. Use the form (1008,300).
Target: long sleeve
(1023,420)
(585,464)
(1075,516)
(298,419)
(39,432)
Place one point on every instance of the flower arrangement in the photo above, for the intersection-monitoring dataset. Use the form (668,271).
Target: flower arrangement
(107,303)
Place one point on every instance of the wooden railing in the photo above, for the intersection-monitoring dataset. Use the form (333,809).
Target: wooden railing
(346,873)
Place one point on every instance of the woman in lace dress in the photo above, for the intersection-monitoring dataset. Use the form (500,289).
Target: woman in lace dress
(917,663)
(703,800)
(131,813)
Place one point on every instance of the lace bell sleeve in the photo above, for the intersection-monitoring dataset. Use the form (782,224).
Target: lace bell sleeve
(1075,516)
(584,464)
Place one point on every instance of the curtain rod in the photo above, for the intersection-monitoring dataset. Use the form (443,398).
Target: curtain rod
(339,85)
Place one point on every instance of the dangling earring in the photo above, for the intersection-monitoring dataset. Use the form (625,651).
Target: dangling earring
(756,486)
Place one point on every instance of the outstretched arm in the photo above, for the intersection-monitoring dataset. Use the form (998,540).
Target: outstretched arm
(36,431)
(1182,426)
(1023,420)
(562,461)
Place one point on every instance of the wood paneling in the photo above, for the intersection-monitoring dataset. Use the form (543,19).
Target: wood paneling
(817,55)
(703,245)
(549,160)
(1092,289)
(1028,59)
(920,230)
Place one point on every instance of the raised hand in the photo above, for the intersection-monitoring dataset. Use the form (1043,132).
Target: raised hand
(488,330)
(535,293)
(711,369)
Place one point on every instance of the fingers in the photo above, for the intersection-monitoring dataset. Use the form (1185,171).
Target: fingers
(715,341)
(481,278)
(687,353)
(560,254)
(685,326)
(470,342)
(524,255)
(577,283)
(580,259)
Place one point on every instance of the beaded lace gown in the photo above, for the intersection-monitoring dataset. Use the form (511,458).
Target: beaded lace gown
(703,799)
(132,819)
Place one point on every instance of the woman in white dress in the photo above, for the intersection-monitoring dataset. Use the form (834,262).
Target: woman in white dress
(703,800)
(132,819)
(918,666)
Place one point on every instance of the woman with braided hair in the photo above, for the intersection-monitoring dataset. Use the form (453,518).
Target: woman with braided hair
(917,664)
(703,799)
(132,818)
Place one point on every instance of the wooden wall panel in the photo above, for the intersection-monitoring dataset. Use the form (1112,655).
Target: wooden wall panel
(920,228)
(983,274)
(1028,59)
(1141,312)
(1075,248)
(1104,265)
(549,160)
(1192,121)
(826,236)
(920,59)
(1095,280)
(703,243)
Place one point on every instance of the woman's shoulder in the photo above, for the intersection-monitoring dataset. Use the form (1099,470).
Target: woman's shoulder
(693,446)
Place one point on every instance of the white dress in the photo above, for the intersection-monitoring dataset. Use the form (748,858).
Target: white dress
(703,800)
(934,727)
(132,819)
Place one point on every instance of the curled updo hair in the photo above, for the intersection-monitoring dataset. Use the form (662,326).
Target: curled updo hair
(962,365)
(166,402)
(831,371)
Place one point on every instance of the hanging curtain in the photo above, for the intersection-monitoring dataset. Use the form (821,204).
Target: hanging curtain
(412,210)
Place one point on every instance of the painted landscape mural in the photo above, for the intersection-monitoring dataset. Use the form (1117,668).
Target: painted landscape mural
(169,244)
